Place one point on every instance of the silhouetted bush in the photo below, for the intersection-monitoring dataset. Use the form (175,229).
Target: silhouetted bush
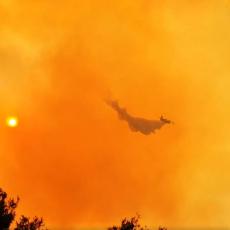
(7,215)
(131,224)
(26,224)
(7,210)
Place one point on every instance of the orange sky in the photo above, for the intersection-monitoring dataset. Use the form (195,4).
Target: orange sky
(71,160)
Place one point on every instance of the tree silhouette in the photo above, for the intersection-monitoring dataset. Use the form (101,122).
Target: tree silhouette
(8,212)
(131,224)
(26,224)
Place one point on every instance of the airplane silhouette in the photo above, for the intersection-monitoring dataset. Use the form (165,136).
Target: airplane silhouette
(165,120)
(138,124)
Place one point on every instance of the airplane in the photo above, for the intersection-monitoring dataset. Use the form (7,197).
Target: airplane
(138,124)
(165,120)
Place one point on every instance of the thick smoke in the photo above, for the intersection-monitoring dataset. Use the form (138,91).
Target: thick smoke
(54,75)
(138,124)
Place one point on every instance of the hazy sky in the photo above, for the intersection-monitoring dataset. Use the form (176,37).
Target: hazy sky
(71,160)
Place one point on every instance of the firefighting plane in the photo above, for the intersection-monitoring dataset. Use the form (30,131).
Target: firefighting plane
(138,124)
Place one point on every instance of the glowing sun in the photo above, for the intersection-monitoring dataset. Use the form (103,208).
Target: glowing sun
(12,122)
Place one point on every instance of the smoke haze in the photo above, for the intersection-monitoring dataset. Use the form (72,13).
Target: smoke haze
(70,159)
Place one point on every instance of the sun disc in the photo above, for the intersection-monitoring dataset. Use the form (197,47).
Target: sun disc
(12,122)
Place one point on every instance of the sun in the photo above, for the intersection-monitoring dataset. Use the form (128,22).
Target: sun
(12,122)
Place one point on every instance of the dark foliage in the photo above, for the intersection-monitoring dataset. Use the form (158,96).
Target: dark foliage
(8,213)
(7,210)
(131,224)
(126,224)
(25,223)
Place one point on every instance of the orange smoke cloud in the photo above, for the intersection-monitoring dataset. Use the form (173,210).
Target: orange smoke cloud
(70,159)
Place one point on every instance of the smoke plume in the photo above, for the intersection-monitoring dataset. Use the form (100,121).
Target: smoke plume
(138,124)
